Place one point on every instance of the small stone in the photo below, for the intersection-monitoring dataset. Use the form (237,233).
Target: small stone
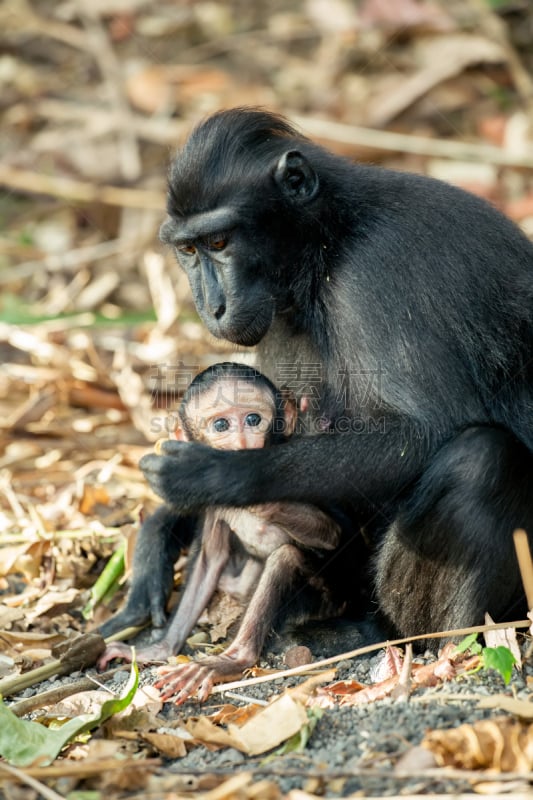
(298,656)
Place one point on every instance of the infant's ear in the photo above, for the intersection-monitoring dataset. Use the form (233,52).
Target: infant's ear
(180,434)
(290,411)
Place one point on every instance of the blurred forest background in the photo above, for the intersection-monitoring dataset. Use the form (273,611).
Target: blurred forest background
(97,331)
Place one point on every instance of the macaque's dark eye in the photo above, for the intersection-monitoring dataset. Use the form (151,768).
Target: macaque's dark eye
(253,420)
(217,242)
(187,248)
(221,425)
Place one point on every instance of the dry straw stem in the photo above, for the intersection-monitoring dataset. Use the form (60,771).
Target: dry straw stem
(405,143)
(525,563)
(80,191)
(371,648)
(22,777)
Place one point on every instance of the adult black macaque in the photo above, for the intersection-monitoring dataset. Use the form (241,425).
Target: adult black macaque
(363,271)
(270,556)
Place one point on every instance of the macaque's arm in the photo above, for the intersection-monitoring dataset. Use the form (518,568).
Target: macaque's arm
(304,523)
(199,588)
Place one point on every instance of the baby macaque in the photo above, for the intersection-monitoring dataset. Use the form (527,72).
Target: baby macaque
(271,556)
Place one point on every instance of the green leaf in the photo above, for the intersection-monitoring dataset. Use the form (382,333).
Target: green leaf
(23,743)
(501,659)
(111,574)
(469,643)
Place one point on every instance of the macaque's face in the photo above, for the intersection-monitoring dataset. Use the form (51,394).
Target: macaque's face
(234,414)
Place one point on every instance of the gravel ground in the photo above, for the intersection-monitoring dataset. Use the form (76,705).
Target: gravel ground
(346,740)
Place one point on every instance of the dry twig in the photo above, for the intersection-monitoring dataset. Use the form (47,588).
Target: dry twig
(79,191)
(402,142)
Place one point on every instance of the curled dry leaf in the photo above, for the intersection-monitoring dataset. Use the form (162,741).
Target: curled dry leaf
(25,559)
(449,664)
(503,744)
(224,611)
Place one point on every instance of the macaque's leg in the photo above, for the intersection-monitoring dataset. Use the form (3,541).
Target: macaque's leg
(306,524)
(161,538)
(285,570)
(199,588)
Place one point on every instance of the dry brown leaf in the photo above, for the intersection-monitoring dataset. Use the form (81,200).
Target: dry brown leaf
(438,60)
(204,730)
(23,640)
(26,559)
(161,87)
(79,703)
(224,610)
(168,744)
(520,708)
(502,744)
(96,750)
(8,616)
(389,664)
(235,714)
(343,687)
(146,699)
(449,664)
(271,726)
(55,602)
(268,728)
(93,496)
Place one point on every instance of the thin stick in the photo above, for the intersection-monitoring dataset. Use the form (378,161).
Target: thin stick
(371,648)
(405,143)
(80,191)
(170,132)
(525,563)
(53,696)
(40,788)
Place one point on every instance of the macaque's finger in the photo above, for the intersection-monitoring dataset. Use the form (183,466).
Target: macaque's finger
(204,690)
(182,683)
(170,447)
(114,650)
(173,679)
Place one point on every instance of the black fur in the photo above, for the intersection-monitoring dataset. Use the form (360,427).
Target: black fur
(367,272)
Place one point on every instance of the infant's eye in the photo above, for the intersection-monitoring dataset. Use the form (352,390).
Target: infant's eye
(253,420)
(221,425)
(187,248)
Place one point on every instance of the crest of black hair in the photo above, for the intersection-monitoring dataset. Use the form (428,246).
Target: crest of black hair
(220,150)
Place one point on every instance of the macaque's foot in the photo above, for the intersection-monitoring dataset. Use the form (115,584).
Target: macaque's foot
(159,651)
(182,681)
(178,683)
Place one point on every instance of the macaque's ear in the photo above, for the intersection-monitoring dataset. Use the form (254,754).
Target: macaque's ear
(290,411)
(295,176)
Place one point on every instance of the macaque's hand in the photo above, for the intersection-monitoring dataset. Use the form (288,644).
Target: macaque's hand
(189,476)
(114,650)
(178,683)
(153,653)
